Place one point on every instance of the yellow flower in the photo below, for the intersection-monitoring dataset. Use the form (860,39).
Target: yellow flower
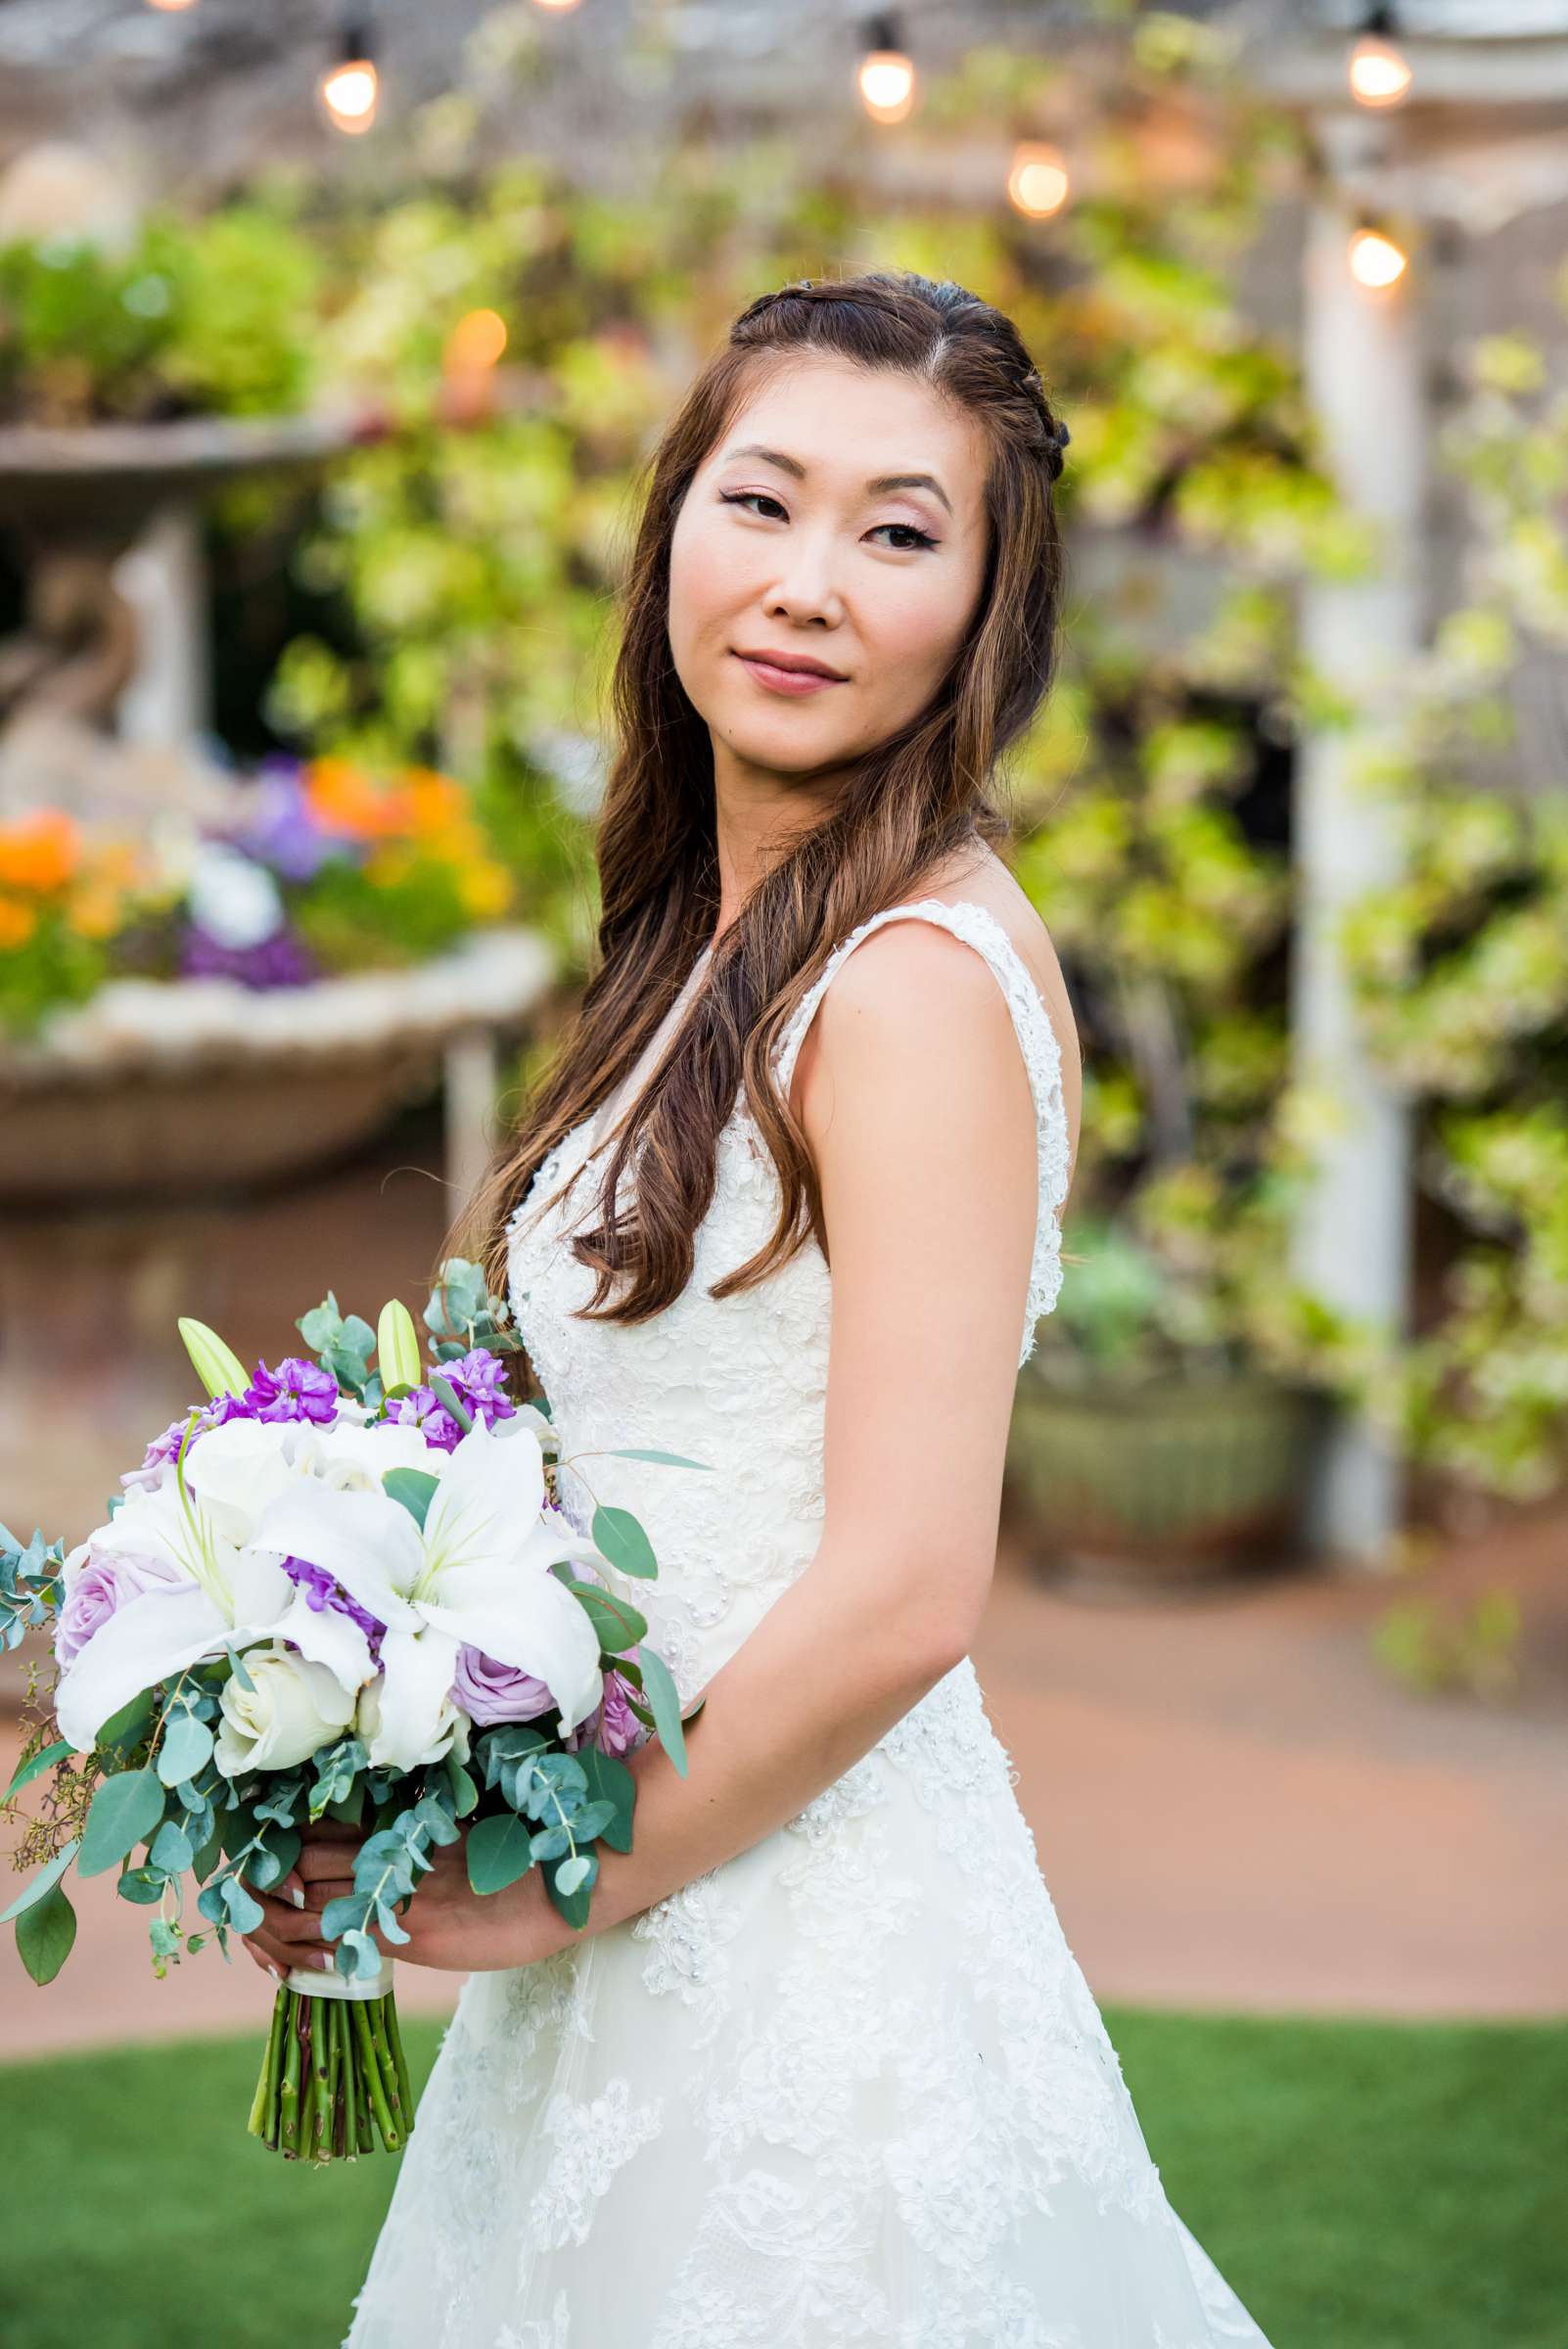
(485,889)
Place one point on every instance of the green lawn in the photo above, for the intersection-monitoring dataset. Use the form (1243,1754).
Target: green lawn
(1364,2186)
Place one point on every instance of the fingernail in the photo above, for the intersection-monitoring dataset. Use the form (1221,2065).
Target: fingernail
(276,1972)
(297,1895)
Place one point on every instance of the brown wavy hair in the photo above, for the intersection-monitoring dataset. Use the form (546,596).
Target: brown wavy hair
(912,802)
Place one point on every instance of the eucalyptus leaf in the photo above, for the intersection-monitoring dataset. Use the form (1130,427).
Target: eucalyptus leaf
(498,1853)
(617,1624)
(43,1883)
(245,1912)
(669,1459)
(125,1810)
(171,1849)
(447,1396)
(574,1873)
(143,1886)
(46,1760)
(185,1747)
(125,1730)
(413,1489)
(45,1933)
(620,1538)
(611,1781)
(664,1698)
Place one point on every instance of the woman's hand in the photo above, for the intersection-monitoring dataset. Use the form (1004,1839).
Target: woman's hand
(449,1925)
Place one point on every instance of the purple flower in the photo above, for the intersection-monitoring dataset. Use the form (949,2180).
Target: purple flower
(420,1409)
(165,1448)
(98,1581)
(619,1729)
(280,829)
(281,961)
(295,1390)
(478,1380)
(490,1692)
(322,1591)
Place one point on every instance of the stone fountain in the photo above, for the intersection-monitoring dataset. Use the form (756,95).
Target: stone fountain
(133,1125)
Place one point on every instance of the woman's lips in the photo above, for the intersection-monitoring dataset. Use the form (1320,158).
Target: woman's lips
(786,680)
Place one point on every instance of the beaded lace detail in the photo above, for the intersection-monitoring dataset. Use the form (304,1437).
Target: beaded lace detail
(849,2087)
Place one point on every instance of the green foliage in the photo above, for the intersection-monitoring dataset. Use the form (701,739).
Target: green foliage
(215,315)
(1462,980)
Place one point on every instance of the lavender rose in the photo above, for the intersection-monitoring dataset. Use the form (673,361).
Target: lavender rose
(491,1692)
(99,1580)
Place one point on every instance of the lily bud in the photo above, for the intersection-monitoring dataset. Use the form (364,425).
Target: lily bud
(216,1366)
(397,1348)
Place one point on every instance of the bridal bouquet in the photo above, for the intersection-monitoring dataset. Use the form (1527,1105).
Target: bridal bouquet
(335,1591)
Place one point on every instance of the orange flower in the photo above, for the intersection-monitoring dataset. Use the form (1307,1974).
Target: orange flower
(346,799)
(17,925)
(39,852)
(435,799)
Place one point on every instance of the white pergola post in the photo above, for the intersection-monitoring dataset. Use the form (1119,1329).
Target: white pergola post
(1351,1245)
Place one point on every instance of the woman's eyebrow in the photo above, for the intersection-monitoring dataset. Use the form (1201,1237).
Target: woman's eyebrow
(882,483)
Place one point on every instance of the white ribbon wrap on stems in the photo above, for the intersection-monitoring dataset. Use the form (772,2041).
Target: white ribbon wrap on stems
(324,1982)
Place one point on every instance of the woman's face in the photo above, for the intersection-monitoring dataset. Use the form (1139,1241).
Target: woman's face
(792,539)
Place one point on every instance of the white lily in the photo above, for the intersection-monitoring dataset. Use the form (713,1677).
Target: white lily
(218,1594)
(477,1572)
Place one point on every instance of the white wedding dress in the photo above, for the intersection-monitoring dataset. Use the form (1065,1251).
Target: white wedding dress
(852,2086)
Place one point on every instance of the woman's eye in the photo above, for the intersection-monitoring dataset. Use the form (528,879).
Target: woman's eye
(756,497)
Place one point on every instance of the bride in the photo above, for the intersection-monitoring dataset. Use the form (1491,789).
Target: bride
(821,2067)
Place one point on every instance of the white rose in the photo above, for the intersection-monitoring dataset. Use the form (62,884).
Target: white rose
(291,1707)
(449,1732)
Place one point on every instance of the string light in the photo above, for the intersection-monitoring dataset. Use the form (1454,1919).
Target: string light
(1379,70)
(1375,260)
(887,75)
(1037,182)
(350,88)
(171,7)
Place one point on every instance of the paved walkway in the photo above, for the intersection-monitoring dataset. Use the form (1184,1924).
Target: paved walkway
(1233,1806)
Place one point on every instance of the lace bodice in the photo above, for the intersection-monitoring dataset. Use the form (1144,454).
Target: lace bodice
(850,2088)
(739,1382)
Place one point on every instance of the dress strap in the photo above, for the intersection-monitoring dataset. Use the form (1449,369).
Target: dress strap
(979,927)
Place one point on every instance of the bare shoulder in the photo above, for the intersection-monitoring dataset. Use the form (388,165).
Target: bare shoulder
(912,1006)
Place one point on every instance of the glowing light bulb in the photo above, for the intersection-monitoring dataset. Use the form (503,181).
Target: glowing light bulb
(1375,260)
(1038,181)
(1379,70)
(171,7)
(887,75)
(350,88)
(1379,73)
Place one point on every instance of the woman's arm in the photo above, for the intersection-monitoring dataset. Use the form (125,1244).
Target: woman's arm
(914,1099)
(917,1107)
